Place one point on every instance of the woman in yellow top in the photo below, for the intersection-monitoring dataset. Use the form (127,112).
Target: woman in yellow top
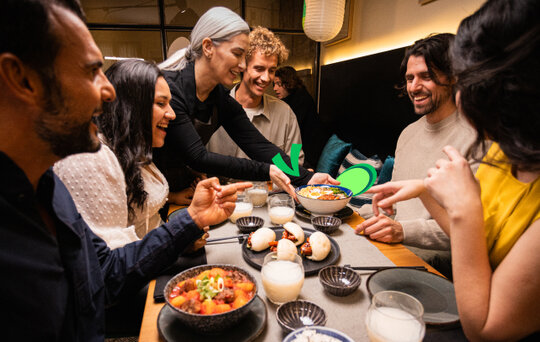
(493,219)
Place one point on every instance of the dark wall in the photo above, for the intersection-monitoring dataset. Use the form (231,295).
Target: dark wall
(359,102)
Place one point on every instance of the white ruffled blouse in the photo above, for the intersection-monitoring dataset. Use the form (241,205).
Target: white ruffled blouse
(97,184)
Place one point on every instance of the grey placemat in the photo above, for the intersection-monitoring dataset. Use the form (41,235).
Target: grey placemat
(344,313)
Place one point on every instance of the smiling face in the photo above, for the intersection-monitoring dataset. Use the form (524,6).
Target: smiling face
(82,87)
(259,74)
(279,89)
(228,59)
(426,95)
(162,112)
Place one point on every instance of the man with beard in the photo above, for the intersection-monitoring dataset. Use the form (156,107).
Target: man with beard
(271,116)
(57,275)
(429,81)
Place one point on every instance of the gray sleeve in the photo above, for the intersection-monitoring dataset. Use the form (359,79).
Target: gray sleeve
(424,234)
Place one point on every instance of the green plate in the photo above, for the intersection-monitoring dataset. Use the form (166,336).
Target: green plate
(358,178)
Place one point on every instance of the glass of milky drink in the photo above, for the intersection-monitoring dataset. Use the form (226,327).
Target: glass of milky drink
(243,208)
(395,316)
(258,194)
(281,208)
(282,279)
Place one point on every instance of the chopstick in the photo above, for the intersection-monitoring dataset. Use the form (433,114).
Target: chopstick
(239,237)
(377,268)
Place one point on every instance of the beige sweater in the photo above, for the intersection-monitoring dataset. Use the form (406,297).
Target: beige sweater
(419,147)
(276,122)
(97,184)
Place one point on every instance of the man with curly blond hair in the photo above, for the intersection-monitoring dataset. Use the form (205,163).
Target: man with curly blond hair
(272,117)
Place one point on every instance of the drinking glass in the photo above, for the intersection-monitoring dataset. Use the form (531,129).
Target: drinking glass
(395,316)
(282,279)
(258,194)
(243,208)
(281,208)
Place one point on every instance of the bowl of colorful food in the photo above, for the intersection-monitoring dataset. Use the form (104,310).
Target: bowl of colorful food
(323,199)
(211,298)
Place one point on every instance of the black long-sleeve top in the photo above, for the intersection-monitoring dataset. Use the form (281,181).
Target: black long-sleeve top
(185,146)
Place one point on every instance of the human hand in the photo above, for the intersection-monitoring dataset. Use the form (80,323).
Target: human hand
(280,179)
(198,178)
(392,192)
(381,228)
(452,184)
(200,243)
(323,178)
(213,203)
(181,197)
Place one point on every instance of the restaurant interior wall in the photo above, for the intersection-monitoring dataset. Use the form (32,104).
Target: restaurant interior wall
(146,28)
(382,25)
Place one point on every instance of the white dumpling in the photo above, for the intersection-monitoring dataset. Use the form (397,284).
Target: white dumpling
(286,250)
(295,230)
(260,240)
(320,246)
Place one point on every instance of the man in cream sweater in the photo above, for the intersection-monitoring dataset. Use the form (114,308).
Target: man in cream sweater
(429,82)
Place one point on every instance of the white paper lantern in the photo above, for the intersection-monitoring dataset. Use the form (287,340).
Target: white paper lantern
(323,18)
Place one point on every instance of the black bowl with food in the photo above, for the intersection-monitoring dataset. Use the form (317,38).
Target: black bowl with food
(211,298)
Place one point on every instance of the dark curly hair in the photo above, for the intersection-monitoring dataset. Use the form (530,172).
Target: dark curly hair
(126,122)
(435,49)
(289,78)
(496,58)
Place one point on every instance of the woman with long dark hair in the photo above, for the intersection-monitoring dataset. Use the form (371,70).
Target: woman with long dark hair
(493,220)
(118,190)
(197,76)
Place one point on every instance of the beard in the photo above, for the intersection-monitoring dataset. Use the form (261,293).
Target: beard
(433,104)
(58,127)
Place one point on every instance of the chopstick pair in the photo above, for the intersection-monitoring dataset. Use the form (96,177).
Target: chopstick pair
(216,241)
(377,268)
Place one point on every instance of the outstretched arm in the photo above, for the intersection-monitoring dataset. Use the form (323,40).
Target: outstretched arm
(493,305)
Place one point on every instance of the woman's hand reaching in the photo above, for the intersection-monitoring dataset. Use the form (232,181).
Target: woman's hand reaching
(280,179)
(392,192)
(323,178)
(181,197)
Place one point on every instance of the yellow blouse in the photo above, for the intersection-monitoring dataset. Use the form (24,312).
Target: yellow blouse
(510,206)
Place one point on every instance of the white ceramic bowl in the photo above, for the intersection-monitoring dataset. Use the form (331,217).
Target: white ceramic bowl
(319,330)
(323,207)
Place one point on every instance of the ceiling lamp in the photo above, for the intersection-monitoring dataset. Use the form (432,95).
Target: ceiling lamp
(323,19)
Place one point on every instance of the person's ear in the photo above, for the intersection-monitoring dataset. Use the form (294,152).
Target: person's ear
(19,79)
(207,47)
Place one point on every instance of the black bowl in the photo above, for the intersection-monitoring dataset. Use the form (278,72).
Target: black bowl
(208,324)
(326,224)
(339,281)
(248,224)
(298,314)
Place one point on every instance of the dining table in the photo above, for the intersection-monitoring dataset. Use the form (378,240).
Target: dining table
(346,314)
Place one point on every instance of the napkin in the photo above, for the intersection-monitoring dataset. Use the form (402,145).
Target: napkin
(182,263)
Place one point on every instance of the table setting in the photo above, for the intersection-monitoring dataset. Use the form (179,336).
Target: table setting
(353,259)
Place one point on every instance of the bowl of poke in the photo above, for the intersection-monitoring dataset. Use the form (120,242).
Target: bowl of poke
(211,298)
(323,199)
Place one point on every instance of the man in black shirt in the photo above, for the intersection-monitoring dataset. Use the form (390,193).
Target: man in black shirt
(57,276)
